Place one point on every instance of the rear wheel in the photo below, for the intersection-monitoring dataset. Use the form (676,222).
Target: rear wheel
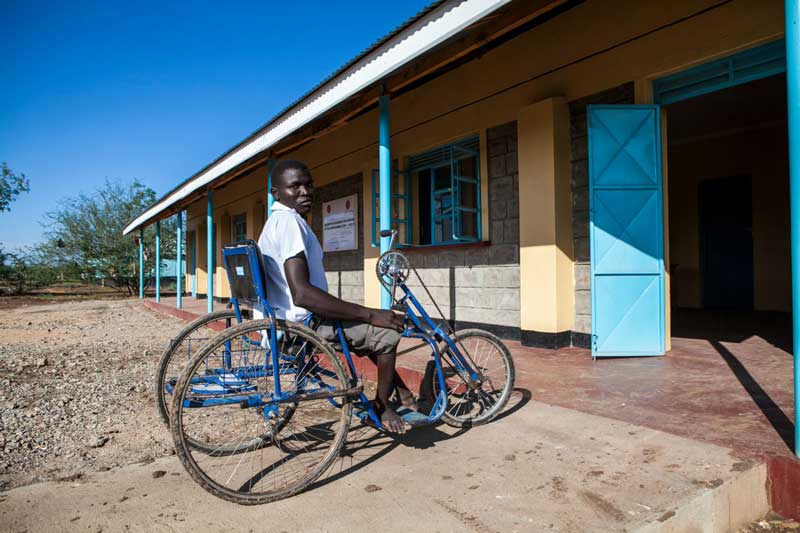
(180,350)
(257,449)
(475,402)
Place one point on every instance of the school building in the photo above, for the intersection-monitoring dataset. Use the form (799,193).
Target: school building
(563,172)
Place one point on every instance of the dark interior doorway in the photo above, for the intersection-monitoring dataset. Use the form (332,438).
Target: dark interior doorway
(728,198)
(726,242)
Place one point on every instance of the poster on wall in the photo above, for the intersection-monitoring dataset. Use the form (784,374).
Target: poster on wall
(339,224)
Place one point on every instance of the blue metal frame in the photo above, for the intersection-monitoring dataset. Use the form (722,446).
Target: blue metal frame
(743,67)
(158,261)
(792,10)
(452,154)
(405,196)
(228,385)
(239,222)
(255,261)
(270,199)
(141,263)
(210,250)
(179,254)
(385,164)
(193,244)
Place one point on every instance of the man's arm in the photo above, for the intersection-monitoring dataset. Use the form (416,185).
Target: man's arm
(319,302)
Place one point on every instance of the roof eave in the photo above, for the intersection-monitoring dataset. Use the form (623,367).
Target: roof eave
(422,34)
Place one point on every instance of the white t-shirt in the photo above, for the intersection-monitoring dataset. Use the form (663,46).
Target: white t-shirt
(285,235)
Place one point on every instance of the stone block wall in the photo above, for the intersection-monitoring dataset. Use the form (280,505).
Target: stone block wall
(344,270)
(501,150)
(484,295)
(579,150)
(346,284)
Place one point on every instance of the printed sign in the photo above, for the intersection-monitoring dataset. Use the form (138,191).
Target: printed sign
(339,224)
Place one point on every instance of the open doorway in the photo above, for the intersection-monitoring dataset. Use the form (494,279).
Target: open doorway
(728,191)
(725,217)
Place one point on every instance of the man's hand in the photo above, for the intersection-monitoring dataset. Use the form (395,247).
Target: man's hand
(383,318)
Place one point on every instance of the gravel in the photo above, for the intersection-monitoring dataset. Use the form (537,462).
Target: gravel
(76,388)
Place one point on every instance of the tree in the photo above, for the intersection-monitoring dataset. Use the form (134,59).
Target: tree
(86,232)
(24,270)
(11,186)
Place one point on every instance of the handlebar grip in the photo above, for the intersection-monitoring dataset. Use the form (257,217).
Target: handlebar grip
(388,232)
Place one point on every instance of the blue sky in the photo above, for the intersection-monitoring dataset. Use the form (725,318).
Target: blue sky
(155,91)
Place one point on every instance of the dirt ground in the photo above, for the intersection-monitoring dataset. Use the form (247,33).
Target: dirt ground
(76,392)
(774,524)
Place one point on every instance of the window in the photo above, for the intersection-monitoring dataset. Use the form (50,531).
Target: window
(447,182)
(400,206)
(240,227)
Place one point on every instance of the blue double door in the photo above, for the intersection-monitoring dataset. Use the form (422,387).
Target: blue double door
(626,231)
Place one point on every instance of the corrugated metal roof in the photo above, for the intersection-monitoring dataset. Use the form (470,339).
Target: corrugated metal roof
(459,15)
(361,55)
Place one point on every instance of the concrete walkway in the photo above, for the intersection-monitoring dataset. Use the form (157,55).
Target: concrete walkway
(537,468)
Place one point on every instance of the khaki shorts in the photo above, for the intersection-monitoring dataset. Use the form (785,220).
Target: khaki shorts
(362,338)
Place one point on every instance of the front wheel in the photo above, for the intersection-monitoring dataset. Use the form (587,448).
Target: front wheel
(475,400)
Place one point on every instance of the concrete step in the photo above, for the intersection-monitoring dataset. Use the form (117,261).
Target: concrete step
(730,506)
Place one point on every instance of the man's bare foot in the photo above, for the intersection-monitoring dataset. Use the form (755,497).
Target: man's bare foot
(392,422)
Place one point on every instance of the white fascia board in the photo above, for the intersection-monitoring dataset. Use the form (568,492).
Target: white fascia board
(431,30)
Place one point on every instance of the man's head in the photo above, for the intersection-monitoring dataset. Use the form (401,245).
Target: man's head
(292,186)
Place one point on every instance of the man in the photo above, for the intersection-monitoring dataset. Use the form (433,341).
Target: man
(296,286)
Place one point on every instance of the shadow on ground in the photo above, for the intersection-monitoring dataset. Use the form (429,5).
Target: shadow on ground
(366,445)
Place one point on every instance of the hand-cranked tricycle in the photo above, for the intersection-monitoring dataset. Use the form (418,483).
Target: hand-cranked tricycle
(262,408)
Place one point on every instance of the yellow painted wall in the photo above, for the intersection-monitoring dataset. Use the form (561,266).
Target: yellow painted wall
(763,155)
(560,58)
(492,89)
(189,275)
(244,195)
(545,222)
(464,100)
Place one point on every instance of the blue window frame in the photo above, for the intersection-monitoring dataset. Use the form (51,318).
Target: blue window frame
(240,227)
(400,206)
(449,184)
(753,64)
(447,179)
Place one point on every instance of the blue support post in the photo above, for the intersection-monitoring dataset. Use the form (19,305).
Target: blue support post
(141,263)
(210,251)
(193,246)
(793,104)
(270,199)
(158,261)
(385,171)
(179,266)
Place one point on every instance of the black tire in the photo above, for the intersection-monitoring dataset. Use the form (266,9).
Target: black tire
(478,405)
(307,441)
(179,352)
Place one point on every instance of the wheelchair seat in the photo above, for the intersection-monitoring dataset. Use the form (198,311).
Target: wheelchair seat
(247,278)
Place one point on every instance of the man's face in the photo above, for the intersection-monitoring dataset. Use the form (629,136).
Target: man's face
(294,190)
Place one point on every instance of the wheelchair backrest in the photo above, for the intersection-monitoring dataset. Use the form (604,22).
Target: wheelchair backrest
(246,274)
